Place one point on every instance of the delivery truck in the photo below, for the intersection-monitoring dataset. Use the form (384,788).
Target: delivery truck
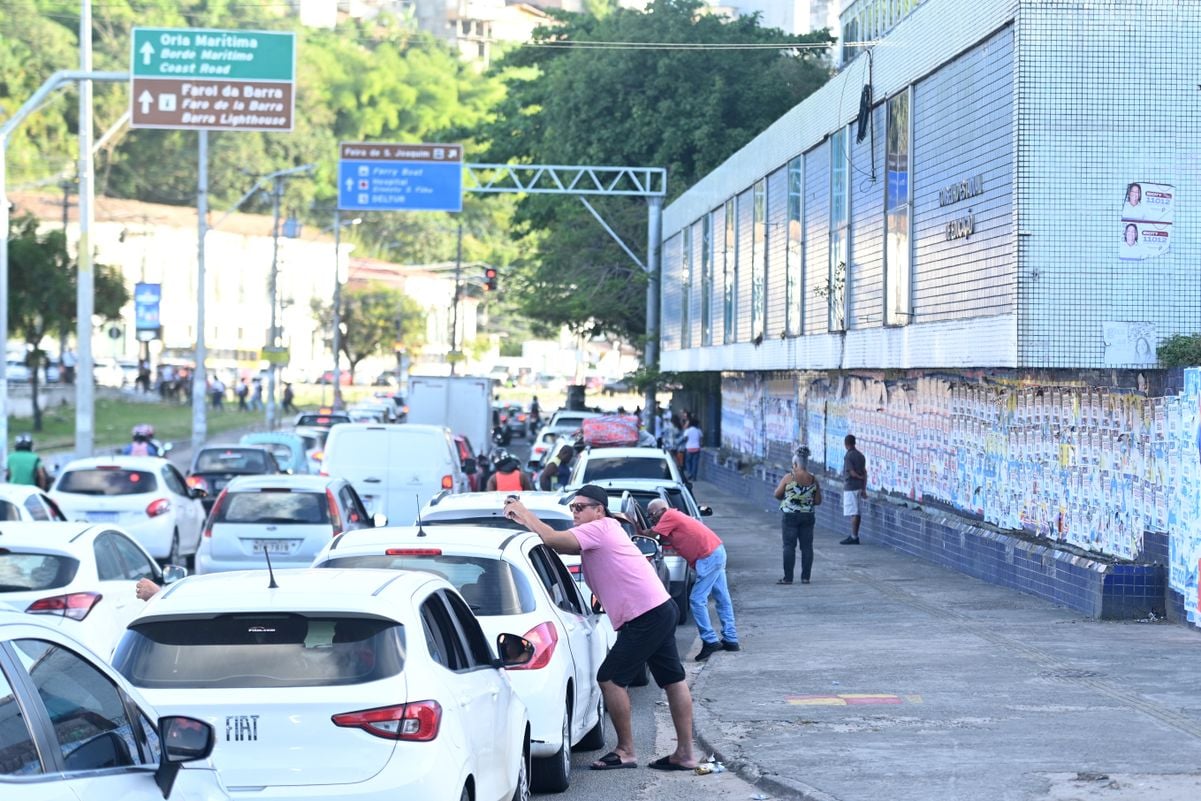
(461,403)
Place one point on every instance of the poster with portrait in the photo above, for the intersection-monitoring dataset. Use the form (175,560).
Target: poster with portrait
(1128,343)
(1146,223)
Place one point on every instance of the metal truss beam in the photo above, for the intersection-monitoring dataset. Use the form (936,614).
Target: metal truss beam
(560,179)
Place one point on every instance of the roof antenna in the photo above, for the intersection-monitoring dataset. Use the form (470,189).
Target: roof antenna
(270,585)
(420,530)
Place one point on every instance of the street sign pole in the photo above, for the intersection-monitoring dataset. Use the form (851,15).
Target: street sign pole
(85,286)
(200,373)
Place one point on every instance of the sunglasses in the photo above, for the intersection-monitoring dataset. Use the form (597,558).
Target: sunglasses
(579,507)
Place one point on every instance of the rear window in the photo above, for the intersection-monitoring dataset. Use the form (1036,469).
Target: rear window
(232,460)
(107,481)
(281,452)
(9,511)
(260,650)
(605,467)
(21,572)
(301,508)
(321,419)
(492,521)
(490,586)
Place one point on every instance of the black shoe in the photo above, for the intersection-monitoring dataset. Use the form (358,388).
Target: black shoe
(849,541)
(707,650)
(726,645)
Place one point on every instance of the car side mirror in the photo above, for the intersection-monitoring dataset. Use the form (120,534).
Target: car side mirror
(470,467)
(706,511)
(167,448)
(183,740)
(379,520)
(174,573)
(514,650)
(197,492)
(647,546)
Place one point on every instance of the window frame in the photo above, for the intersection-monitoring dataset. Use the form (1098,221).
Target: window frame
(898,214)
(794,252)
(839,268)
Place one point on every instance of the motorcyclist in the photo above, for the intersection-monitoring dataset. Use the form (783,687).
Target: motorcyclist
(535,415)
(25,466)
(507,475)
(143,443)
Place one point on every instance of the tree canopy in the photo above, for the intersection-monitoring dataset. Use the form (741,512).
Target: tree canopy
(373,317)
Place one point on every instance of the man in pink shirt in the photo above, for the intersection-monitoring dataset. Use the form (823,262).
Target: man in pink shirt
(702,549)
(642,613)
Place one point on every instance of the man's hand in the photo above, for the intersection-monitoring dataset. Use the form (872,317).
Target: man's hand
(146,589)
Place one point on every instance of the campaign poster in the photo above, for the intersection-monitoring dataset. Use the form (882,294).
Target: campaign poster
(1146,223)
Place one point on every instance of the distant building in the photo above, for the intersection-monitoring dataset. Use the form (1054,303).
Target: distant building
(792,16)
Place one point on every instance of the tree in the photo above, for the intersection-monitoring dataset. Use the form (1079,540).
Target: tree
(42,286)
(373,317)
(651,105)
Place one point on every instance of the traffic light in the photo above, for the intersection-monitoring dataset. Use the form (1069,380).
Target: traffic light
(490,279)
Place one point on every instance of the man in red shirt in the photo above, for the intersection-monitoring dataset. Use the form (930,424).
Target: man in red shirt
(702,549)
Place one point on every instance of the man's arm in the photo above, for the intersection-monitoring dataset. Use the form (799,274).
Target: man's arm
(560,541)
(544,478)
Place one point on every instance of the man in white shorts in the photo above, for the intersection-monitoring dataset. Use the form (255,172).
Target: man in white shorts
(854,488)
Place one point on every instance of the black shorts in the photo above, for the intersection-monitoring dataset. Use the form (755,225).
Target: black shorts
(649,638)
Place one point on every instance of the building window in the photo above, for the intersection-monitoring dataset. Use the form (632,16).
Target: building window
(729,273)
(794,287)
(758,258)
(836,281)
(706,280)
(897,256)
(686,290)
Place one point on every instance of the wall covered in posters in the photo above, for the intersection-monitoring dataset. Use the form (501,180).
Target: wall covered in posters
(1089,467)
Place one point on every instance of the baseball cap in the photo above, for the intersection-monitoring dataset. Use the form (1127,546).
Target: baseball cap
(594,493)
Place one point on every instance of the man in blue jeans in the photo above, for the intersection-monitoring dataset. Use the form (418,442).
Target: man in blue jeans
(702,549)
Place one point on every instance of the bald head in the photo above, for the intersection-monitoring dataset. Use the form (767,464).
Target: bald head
(656,508)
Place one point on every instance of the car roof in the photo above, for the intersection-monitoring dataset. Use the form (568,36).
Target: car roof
(535,501)
(17,491)
(482,540)
(270,437)
(306,590)
(138,462)
(230,446)
(345,428)
(55,535)
(628,452)
(637,484)
(282,481)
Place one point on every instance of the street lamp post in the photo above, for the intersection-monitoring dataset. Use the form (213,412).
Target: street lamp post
(337,339)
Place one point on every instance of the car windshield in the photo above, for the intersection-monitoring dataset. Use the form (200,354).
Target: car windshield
(282,453)
(21,572)
(497,520)
(599,468)
(271,506)
(260,650)
(490,586)
(232,460)
(107,481)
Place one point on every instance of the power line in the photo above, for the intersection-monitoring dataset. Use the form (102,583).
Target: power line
(587,45)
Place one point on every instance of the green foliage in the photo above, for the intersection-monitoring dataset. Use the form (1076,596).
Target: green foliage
(373,318)
(1182,350)
(683,109)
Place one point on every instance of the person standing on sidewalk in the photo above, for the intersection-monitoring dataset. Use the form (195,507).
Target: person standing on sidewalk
(854,488)
(705,553)
(692,449)
(798,493)
(641,611)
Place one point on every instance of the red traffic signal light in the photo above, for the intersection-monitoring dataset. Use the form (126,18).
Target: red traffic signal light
(490,279)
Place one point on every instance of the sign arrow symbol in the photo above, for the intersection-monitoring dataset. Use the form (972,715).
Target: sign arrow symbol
(349,184)
(147,50)
(145,99)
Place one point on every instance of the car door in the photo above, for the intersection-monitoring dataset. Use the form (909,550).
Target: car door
(93,733)
(579,624)
(136,565)
(21,770)
(190,517)
(118,594)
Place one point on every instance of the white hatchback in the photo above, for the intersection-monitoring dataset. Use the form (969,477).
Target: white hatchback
(72,728)
(79,576)
(513,582)
(145,495)
(337,684)
(28,503)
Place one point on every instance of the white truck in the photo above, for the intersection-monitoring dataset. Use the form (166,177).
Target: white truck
(461,403)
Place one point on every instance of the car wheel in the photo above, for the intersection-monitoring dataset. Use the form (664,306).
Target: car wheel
(594,740)
(522,792)
(553,774)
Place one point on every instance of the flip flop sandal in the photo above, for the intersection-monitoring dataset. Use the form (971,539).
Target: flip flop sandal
(612,761)
(665,763)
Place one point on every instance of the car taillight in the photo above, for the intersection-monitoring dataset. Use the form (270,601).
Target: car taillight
(544,637)
(418,721)
(574,570)
(318,456)
(521,417)
(158,507)
(198,482)
(334,518)
(448,482)
(216,510)
(75,606)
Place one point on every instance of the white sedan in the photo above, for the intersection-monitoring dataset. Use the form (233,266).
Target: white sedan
(72,728)
(340,685)
(79,576)
(513,582)
(28,503)
(145,495)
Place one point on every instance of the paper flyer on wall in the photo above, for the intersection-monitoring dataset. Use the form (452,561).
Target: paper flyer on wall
(1146,223)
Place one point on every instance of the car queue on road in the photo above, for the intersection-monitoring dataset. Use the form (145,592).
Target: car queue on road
(380,596)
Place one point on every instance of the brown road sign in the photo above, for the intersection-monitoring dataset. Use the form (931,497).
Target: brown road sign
(212,104)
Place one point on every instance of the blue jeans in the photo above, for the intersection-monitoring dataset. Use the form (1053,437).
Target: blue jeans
(711,580)
(798,533)
(692,461)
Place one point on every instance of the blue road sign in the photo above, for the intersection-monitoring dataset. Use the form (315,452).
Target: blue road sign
(400,177)
(146,299)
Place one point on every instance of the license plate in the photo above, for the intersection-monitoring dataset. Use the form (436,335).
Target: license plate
(102,517)
(271,546)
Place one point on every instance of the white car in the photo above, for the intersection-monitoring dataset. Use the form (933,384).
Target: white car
(71,728)
(81,576)
(291,518)
(145,495)
(513,582)
(339,685)
(28,503)
(597,464)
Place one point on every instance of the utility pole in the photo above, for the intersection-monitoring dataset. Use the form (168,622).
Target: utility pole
(200,371)
(654,227)
(337,308)
(454,325)
(273,331)
(85,290)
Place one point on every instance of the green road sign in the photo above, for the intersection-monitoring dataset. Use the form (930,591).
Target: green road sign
(196,78)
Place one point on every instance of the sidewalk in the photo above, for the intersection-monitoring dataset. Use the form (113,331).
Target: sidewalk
(890,678)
